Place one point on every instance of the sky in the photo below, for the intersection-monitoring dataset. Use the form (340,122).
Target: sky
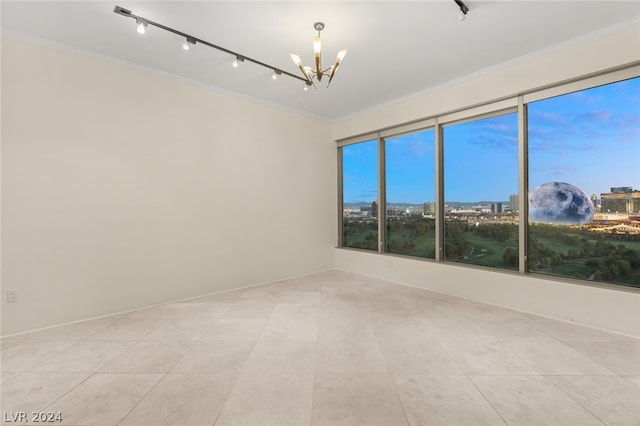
(590,139)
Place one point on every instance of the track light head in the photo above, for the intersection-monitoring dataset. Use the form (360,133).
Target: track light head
(275,74)
(463,10)
(188,42)
(142,25)
(236,62)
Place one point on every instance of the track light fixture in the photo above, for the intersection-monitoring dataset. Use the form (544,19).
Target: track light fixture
(236,61)
(463,10)
(317,52)
(188,42)
(143,23)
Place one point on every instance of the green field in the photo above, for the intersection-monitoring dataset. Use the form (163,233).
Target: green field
(487,252)
(553,250)
(360,235)
(576,258)
(405,241)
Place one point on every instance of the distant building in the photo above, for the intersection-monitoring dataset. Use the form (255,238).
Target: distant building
(622,199)
(594,201)
(429,208)
(622,189)
(513,202)
(374,209)
(366,211)
(497,208)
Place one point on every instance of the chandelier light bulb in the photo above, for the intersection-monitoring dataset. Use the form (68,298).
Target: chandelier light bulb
(317,45)
(296,59)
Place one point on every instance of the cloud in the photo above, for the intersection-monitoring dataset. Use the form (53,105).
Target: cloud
(591,116)
(368,194)
(410,147)
(498,127)
(546,118)
(553,170)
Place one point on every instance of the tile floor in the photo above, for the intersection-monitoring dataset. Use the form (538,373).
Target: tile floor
(326,349)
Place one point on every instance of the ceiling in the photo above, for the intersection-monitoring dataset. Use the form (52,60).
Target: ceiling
(396,48)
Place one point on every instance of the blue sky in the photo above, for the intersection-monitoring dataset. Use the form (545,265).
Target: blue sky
(590,139)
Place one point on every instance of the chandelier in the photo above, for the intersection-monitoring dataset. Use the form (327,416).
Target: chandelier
(311,74)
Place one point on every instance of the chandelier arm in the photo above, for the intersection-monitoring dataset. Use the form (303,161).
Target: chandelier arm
(307,79)
(319,72)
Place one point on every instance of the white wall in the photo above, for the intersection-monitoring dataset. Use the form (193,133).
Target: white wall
(122,189)
(616,310)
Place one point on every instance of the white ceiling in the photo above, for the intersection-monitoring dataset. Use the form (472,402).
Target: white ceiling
(396,48)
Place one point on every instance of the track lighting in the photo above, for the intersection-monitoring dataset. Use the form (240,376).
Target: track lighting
(142,25)
(236,61)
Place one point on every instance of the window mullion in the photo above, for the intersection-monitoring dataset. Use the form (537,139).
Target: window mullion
(382,198)
(523,185)
(439,192)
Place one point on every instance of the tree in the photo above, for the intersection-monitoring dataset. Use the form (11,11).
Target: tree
(511,257)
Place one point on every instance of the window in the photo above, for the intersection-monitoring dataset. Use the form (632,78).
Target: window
(410,194)
(584,184)
(360,195)
(447,186)
(480,192)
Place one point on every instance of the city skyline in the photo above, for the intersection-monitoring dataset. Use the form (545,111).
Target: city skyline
(590,139)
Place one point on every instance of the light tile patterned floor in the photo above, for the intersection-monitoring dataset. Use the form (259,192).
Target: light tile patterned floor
(326,349)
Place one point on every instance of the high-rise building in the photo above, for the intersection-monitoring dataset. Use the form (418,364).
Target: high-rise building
(497,208)
(594,201)
(513,202)
(374,209)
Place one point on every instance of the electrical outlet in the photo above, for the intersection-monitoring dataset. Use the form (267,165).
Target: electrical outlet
(12,296)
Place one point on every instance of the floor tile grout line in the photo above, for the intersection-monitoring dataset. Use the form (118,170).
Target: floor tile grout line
(402,405)
(142,398)
(487,399)
(575,400)
(89,376)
